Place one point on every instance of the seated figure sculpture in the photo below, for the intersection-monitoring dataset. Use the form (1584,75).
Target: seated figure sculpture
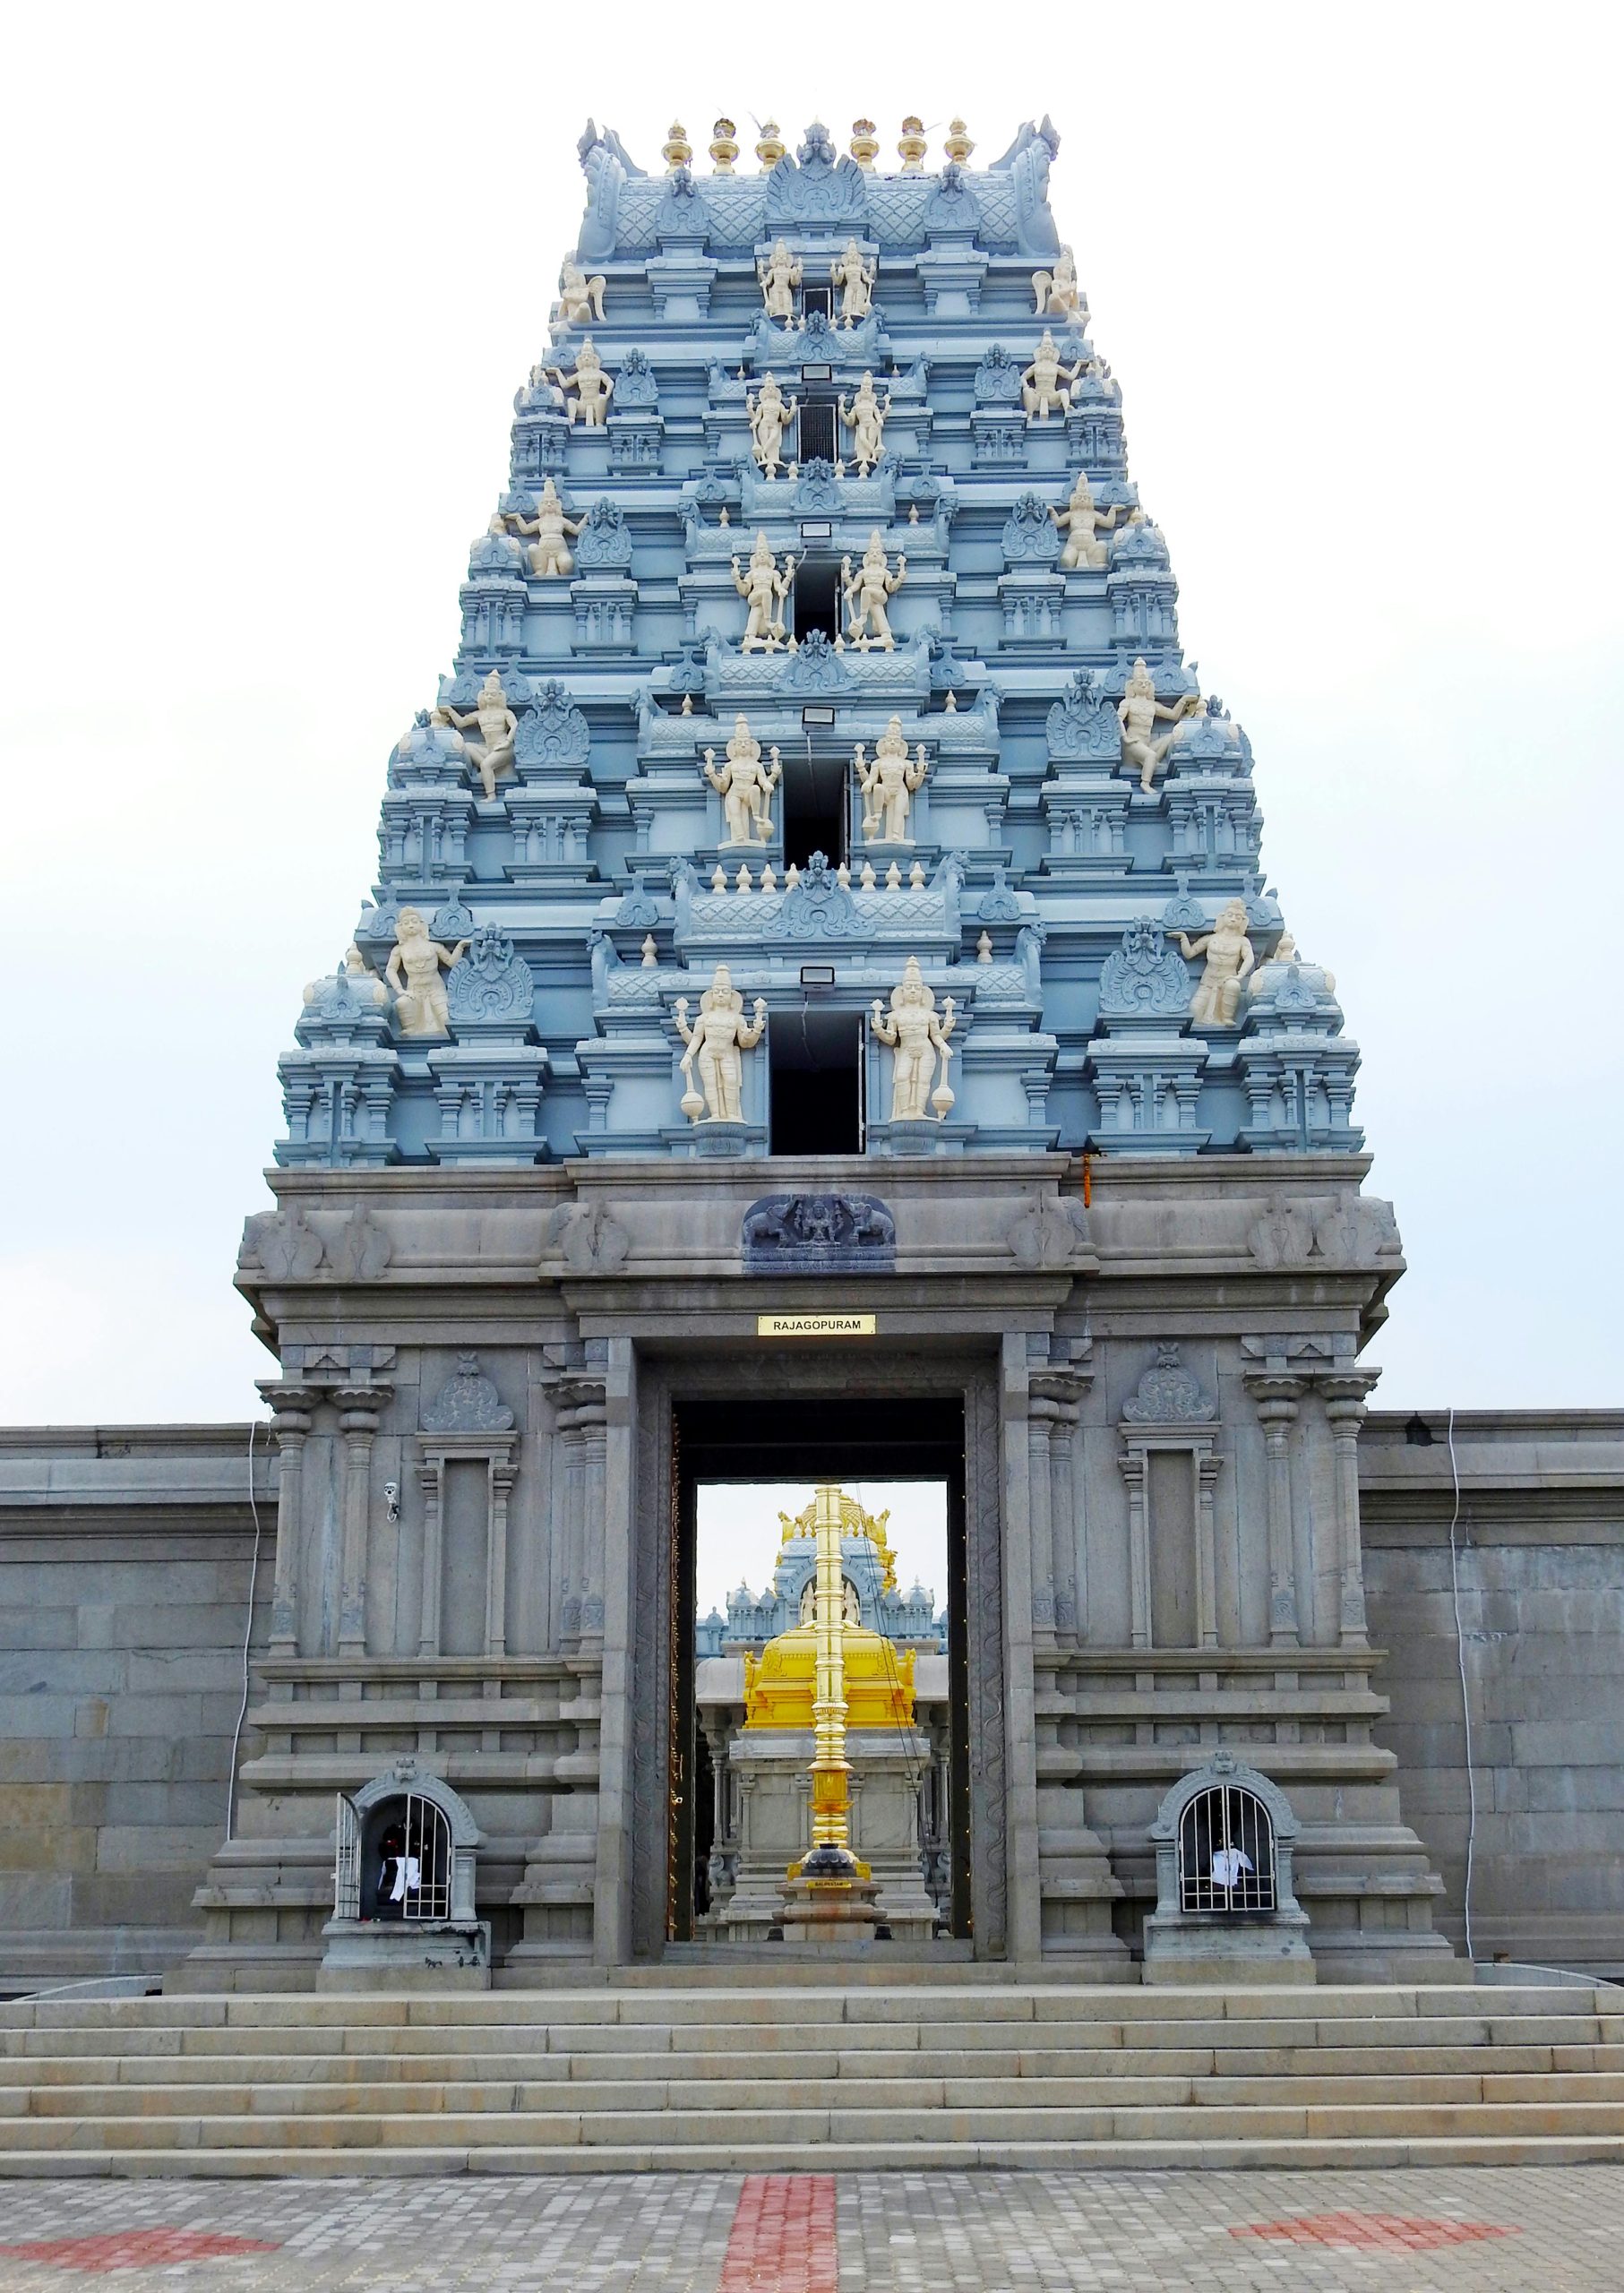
(918,1037)
(769,418)
(1080,521)
(579,298)
(1138,713)
(864,417)
(888,786)
(550,555)
(867,592)
(744,788)
(1055,293)
(1216,1002)
(716,1043)
(855,280)
(495,723)
(421,1007)
(585,394)
(779,274)
(1047,381)
(764,589)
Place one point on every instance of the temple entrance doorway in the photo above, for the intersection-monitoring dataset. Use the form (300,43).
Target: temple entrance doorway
(743,1642)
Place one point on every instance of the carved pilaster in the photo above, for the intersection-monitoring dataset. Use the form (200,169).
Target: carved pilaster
(1040,1420)
(359,1409)
(1345,1408)
(1276,1399)
(582,1427)
(293,1404)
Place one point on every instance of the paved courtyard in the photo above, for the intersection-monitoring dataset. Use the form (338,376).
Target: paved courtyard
(1508,2230)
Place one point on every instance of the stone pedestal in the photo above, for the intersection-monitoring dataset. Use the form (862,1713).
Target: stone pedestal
(406,1954)
(769,1766)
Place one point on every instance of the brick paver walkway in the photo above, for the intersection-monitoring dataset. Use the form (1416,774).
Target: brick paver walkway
(1508,2230)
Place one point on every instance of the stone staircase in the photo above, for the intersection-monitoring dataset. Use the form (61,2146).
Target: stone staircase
(739,2073)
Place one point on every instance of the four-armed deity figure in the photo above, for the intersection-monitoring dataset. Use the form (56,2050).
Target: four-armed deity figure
(579,298)
(1047,381)
(1080,521)
(715,1041)
(1216,1002)
(744,788)
(769,418)
(914,1032)
(764,589)
(1055,293)
(864,417)
(493,752)
(421,1009)
(1138,712)
(856,281)
(591,386)
(867,592)
(779,274)
(550,556)
(888,786)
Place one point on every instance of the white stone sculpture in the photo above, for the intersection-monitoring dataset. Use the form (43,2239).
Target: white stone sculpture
(764,589)
(550,555)
(1216,1002)
(855,280)
(1055,293)
(769,418)
(413,971)
(864,417)
(579,298)
(779,274)
(362,980)
(1080,521)
(585,394)
(888,786)
(917,1036)
(744,788)
(495,723)
(867,592)
(1047,381)
(1138,713)
(716,1043)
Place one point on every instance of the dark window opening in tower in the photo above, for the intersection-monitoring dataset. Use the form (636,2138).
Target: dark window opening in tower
(815,1071)
(818,299)
(814,798)
(816,596)
(817,432)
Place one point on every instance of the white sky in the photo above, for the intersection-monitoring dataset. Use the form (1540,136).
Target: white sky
(273,277)
(739,1533)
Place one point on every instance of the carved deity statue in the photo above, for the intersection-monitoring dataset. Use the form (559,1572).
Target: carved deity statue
(1216,1002)
(1138,713)
(764,589)
(779,274)
(493,752)
(914,1032)
(864,417)
(855,280)
(413,971)
(1047,381)
(744,788)
(716,1042)
(550,556)
(592,386)
(1055,293)
(769,418)
(888,786)
(1080,521)
(579,298)
(867,592)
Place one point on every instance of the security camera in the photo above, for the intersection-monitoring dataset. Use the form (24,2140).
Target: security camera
(391,1498)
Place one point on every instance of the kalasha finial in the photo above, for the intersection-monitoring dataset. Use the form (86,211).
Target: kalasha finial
(912,146)
(724,148)
(771,147)
(864,144)
(959,146)
(677,150)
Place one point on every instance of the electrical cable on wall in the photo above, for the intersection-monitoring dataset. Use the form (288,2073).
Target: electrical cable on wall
(253,1578)
(1465,1699)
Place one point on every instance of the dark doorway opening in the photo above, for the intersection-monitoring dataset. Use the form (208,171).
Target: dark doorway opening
(818,299)
(815,1078)
(817,597)
(814,809)
(817,430)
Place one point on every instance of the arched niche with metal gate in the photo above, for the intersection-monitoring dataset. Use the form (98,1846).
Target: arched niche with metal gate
(1225,1909)
(404,1908)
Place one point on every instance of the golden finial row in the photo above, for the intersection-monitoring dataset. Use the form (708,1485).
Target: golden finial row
(912,146)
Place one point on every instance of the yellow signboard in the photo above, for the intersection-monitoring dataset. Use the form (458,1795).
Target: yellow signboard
(814,1324)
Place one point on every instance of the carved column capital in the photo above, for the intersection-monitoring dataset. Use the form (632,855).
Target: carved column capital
(291,1403)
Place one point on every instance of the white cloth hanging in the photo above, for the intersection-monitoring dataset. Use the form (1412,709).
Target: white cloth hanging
(409,1878)
(1228,1864)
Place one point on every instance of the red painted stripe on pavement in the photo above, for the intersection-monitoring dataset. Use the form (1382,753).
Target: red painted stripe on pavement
(783,2237)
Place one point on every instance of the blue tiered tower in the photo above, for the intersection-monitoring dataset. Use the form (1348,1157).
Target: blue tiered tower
(1047,883)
